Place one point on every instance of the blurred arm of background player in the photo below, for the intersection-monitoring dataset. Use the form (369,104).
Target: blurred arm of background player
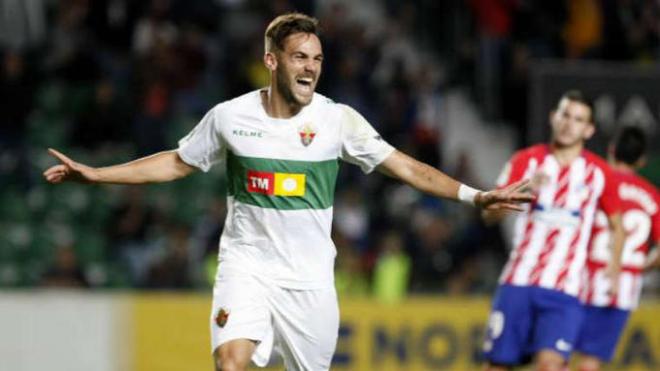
(653,259)
(618,239)
(160,167)
(434,182)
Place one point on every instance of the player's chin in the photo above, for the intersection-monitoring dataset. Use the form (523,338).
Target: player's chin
(304,99)
(567,141)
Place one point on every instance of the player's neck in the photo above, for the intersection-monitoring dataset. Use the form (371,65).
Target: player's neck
(566,155)
(623,167)
(276,105)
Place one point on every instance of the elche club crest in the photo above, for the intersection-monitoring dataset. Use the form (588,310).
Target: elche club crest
(222,317)
(307,133)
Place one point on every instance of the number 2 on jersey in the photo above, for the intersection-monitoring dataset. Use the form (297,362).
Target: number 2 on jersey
(637,226)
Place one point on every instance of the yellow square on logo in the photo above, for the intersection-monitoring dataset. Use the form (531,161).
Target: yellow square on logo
(289,184)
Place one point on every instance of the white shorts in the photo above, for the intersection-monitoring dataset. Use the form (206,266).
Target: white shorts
(302,325)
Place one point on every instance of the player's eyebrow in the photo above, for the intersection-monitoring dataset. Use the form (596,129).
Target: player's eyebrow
(299,53)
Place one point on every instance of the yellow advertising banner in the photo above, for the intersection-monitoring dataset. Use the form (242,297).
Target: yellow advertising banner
(171,333)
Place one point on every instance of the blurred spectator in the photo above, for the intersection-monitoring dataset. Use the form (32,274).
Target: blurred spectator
(427,122)
(350,276)
(130,233)
(192,63)
(105,121)
(463,280)
(538,27)
(151,123)
(112,22)
(400,59)
(71,54)
(172,270)
(155,30)
(351,217)
(431,233)
(65,272)
(22,24)
(583,29)
(494,21)
(154,42)
(131,218)
(206,235)
(392,271)
(17,86)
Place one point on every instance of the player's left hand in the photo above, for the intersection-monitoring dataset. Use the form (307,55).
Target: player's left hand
(508,198)
(653,259)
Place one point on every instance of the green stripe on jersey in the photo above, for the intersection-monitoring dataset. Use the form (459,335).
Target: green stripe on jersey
(321,177)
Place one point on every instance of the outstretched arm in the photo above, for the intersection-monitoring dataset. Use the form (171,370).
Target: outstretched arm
(160,167)
(434,182)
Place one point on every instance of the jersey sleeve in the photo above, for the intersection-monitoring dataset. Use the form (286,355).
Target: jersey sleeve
(609,201)
(203,146)
(513,170)
(361,144)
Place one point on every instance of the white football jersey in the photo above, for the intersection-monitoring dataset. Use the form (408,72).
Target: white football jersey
(281,177)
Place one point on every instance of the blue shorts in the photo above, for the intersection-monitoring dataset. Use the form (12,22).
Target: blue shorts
(527,319)
(601,330)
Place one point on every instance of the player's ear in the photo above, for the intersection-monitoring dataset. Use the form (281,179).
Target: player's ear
(589,131)
(270,61)
(641,162)
(610,151)
(551,115)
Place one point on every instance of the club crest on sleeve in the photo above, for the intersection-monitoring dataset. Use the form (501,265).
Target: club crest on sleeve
(221,317)
(307,133)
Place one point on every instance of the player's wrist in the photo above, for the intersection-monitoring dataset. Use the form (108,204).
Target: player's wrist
(469,195)
(93,175)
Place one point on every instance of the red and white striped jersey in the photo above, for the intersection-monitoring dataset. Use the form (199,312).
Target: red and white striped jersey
(640,213)
(551,236)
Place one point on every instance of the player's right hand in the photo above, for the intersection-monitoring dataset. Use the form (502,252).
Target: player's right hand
(69,170)
(508,198)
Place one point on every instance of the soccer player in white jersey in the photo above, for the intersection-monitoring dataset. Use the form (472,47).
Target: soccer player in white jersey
(606,314)
(536,313)
(281,145)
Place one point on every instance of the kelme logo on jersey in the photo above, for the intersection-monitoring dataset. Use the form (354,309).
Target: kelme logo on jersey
(307,133)
(275,184)
(247,133)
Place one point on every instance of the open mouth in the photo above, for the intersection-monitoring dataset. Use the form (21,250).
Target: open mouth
(305,82)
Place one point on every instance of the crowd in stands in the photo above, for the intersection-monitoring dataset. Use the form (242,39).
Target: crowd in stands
(110,80)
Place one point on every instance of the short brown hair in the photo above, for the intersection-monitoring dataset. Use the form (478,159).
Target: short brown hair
(288,24)
(579,97)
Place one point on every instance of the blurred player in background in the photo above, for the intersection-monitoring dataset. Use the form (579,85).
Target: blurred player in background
(536,312)
(605,315)
(274,288)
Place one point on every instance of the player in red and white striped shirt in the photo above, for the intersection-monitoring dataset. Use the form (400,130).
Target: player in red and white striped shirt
(536,313)
(606,314)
